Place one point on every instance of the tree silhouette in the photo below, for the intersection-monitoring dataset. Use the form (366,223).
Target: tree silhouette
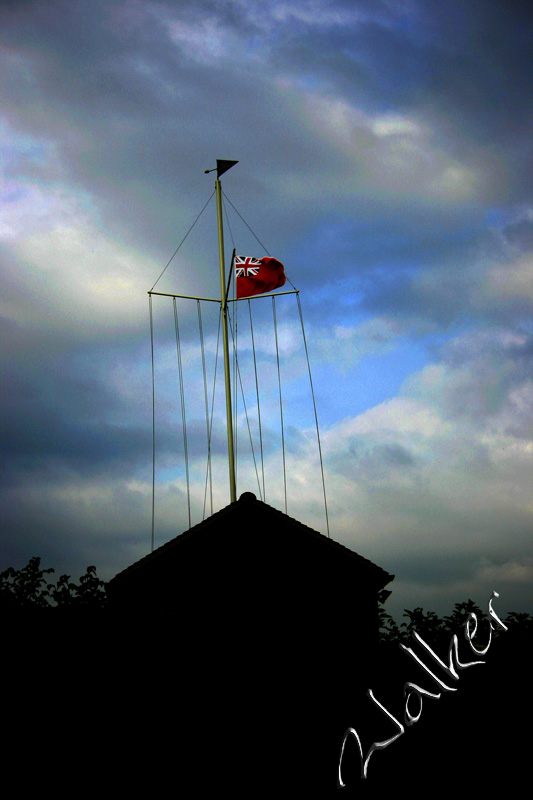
(434,629)
(28,588)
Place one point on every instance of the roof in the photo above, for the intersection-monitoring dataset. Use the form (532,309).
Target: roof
(248,505)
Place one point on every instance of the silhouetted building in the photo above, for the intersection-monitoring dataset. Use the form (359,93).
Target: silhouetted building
(254,635)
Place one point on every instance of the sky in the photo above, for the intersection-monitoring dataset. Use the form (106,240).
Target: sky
(385,158)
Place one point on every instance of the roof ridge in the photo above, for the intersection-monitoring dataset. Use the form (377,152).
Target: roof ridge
(248,497)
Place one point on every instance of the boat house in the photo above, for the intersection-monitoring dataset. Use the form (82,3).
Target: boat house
(252,630)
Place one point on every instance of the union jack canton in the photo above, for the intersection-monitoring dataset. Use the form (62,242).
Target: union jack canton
(246,267)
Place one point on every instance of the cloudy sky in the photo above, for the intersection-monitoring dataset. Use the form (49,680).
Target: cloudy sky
(385,157)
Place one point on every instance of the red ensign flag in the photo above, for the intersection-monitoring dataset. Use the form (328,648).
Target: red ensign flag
(257,275)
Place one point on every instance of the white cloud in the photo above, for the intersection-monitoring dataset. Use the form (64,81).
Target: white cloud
(346,345)
(77,279)
(74,276)
(415,479)
(313,13)
(511,572)
(513,280)
(395,125)
(387,156)
(205,41)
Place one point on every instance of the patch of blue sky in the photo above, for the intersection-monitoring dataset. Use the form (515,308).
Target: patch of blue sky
(20,150)
(13,193)
(358,245)
(335,300)
(375,379)
(500,217)
(171,474)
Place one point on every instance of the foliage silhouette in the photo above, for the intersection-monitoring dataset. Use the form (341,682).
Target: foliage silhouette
(28,588)
(433,629)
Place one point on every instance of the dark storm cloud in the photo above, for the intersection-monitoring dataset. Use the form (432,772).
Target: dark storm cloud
(96,89)
(55,412)
(441,302)
(448,279)
(520,233)
(470,61)
(130,112)
(72,524)
(481,64)
(39,440)
(377,65)
(59,414)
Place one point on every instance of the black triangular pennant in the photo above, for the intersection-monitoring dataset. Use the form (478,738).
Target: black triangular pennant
(223,166)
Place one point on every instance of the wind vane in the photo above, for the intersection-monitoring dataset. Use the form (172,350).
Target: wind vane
(222,166)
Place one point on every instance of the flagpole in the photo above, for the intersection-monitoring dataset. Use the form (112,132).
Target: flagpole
(224,301)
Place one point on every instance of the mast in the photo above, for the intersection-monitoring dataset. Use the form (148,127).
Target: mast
(227,376)
(223,166)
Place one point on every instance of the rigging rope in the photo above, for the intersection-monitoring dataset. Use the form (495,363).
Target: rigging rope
(243,220)
(280,401)
(178,247)
(258,405)
(182,399)
(316,416)
(253,234)
(238,371)
(153,415)
(212,407)
(201,330)
(227,219)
